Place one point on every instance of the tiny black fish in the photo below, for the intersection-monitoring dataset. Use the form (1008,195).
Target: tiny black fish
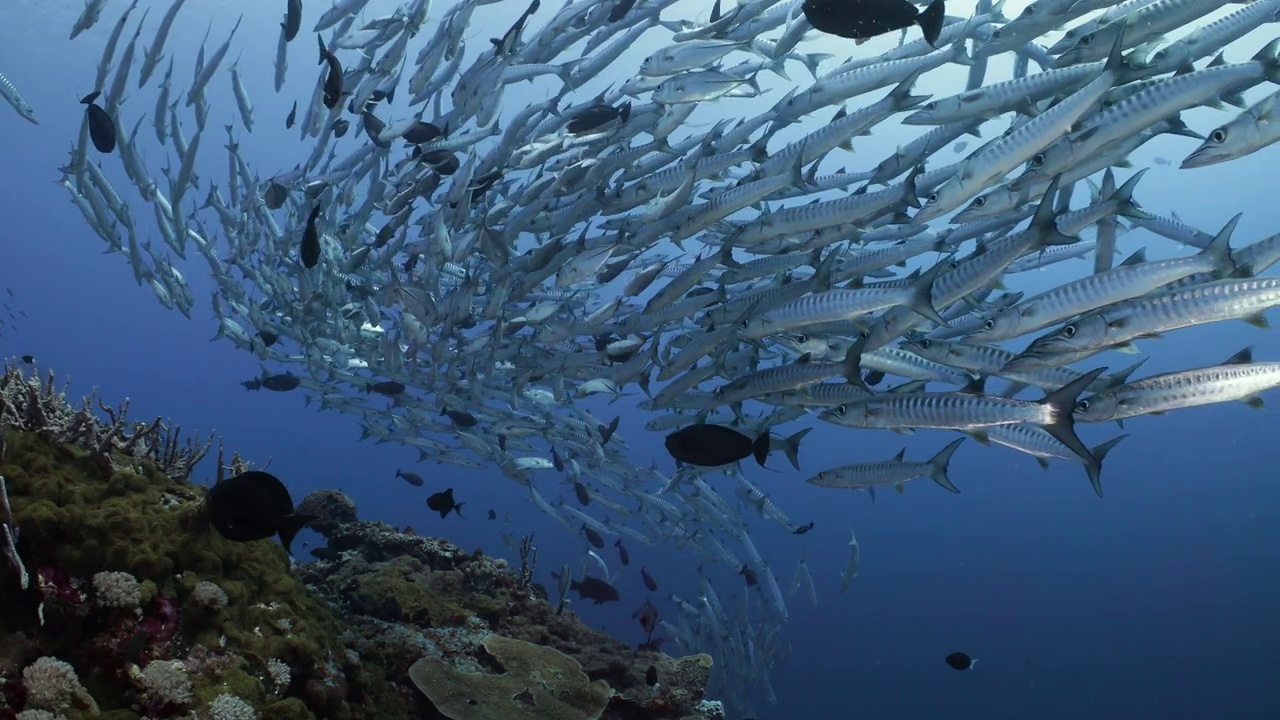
(593,537)
(461,418)
(648,580)
(333,80)
(386,387)
(341,126)
(442,502)
(803,528)
(596,589)
(28,359)
(275,195)
(252,506)
(864,19)
(558,463)
(292,20)
(276,383)
(311,240)
(710,445)
(413,479)
(651,675)
(623,555)
(580,491)
(960,661)
(493,514)
(750,575)
(292,117)
(102,129)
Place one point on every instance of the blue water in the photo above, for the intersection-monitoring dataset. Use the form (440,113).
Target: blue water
(1157,601)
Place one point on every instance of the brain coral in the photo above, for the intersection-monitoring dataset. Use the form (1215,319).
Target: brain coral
(538,683)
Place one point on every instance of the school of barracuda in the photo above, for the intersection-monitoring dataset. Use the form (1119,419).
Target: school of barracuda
(513,264)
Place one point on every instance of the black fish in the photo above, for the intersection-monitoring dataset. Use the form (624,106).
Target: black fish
(648,580)
(292,20)
(873,377)
(279,383)
(710,445)
(413,479)
(593,537)
(481,185)
(102,129)
(750,575)
(623,555)
(275,195)
(960,661)
(803,529)
(311,240)
(28,359)
(461,418)
(386,387)
(341,126)
(619,10)
(596,589)
(268,338)
(864,19)
(580,491)
(252,506)
(650,675)
(293,116)
(422,132)
(442,502)
(557,462)
(332,81)
(493,514)
(373,127)
(593,117)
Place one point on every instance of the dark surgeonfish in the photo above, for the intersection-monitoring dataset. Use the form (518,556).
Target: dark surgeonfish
(253,506)
(708,445)
(596,589)
(596,116)
(960,661)
(442,502)
(102,129)
(292,20)
(864,19)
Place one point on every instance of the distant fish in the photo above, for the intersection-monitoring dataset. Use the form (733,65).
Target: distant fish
(580,491)
(28,359)
(268,338)
(292,116)
(708,445)
(865,19)
(558,463)
(593,537)
(341,126)
(276,383)
(461,418)
(960,661)
(623,555)
(493,514)
(413,479)
(102,129)
(651,675)
(253,506)
(275,195)
(442,502)
(593,117)
(803,529)
(311,240)
(648,580)
(595,589)
(750,575)
(333,79)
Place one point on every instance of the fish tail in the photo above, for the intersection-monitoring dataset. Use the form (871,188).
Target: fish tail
(852,363)
(1100,452)
(760,448)
(1061,425)
(290,527)
(323,50)
(1045,223)
(88,99)
(921,302)
(457,508)
(931,21)
(938,466)
(1219,249)
(791,446)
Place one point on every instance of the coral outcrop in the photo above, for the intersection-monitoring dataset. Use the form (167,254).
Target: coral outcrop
(135,607)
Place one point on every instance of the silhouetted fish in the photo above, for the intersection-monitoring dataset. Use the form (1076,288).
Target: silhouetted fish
(412,478)
(252,506)
(623,555)
(648,580)
(28,359)
(102,129)
(341,126)
(292,20)
(803,529)
(275,195)
(580,491)
(710,445)
(865,19)
(442,502)
(292,116)
(386,387)
(596,589)
(593,537)
(311,240)
(960,661)
(750,575)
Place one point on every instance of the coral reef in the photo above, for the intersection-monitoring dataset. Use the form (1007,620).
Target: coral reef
(136,608)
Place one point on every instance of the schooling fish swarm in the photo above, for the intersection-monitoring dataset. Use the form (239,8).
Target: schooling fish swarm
(464,253)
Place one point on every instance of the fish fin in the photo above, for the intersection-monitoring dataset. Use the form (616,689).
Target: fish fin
(931,21)
(1257,320)
(1061,426)
(1255,402)
(1042,463)
(792,447)
(289,529)
(760,448)
(921,301)
(938,466)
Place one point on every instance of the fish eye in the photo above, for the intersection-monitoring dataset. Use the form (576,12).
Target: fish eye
(1219,135)
(802,339)
(933,198)
(822,474)
(924,344)
(1083,406)
(931,106)
(989,325)
(1087,39)
(980,201)
(955,264)
(1069,331)
(841,410)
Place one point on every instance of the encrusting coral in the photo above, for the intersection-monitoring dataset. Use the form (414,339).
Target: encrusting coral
(153,614)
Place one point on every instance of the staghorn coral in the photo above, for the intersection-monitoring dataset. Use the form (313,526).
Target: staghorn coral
(533,682)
